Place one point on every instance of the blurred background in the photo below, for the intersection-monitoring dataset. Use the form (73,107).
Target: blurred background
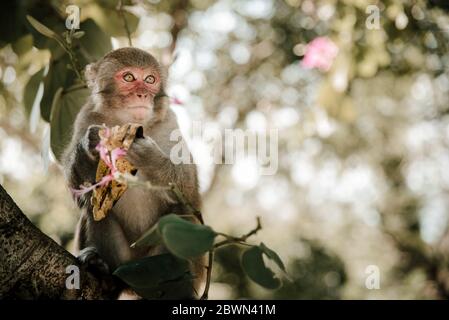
(358,91)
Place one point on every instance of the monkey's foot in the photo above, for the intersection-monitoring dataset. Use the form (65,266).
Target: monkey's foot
(89,257)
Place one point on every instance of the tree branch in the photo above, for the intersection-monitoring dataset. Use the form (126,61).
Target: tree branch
(205,295)
(33,266)
(240,240)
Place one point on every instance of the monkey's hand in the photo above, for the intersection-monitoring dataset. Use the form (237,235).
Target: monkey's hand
(145,152)
(89,257)
(92,261)
(91,140)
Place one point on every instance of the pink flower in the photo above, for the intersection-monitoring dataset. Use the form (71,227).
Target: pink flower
(320,53)
(116,154)
(83,189)
(110,159)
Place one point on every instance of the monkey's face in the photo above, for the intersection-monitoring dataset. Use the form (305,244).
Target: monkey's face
(136,88)
(127,85)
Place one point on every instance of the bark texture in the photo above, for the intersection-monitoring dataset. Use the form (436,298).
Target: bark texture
(33,266)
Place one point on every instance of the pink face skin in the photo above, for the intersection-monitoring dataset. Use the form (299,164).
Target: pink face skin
(137,88)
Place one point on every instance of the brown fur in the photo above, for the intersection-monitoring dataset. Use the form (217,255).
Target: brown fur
(139,208)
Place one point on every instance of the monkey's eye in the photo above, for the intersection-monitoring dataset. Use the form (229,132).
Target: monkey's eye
(150,79)
(128,77)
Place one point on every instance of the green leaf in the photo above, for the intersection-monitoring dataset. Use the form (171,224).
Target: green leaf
(160,276)
(30,91)
(64,111)
(169,219)
(272,255)
(152,271)
(95,43)
(255,268)
(181,237)
(154,234)
(181,288)
(42,29)
(79,34)
(149,238)
(40,41)
(186,239)
(58,76)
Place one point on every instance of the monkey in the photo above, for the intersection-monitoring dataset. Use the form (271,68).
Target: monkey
(128,85)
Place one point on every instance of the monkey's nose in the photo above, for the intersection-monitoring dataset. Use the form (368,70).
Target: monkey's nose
(140,95)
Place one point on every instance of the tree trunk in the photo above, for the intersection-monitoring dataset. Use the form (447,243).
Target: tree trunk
(33,266)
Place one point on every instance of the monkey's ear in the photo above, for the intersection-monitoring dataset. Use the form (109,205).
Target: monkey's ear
(91,74)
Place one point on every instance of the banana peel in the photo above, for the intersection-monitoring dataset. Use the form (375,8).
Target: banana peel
(104,197)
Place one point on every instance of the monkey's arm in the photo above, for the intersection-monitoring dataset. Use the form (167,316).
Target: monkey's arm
(155,165)
(80,159)
(102,244)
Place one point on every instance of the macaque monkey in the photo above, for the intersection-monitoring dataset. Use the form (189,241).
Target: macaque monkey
(128,86)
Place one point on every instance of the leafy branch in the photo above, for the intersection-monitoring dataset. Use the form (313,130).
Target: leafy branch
(230,240)
(68,47)
(187,240)
(65,41)
(239,240)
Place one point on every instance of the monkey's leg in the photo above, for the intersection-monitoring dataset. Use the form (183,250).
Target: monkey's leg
(106,240)
(89,256)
